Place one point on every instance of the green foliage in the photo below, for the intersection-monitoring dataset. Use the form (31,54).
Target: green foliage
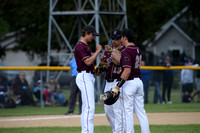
(193,23)
(144,16)
(31,16)
(4,27)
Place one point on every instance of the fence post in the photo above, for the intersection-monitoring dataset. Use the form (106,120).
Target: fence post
(181,90)
(41,90)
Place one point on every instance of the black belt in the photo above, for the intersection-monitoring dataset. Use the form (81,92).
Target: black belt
(86,71)
(111,80)
(133,78)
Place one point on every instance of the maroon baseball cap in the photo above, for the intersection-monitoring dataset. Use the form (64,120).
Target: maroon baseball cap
(116,35)
(90,29)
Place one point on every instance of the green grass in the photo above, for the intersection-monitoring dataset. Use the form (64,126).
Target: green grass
(150,108)
(192,107)
(24,111)
(175,107)
(106,129)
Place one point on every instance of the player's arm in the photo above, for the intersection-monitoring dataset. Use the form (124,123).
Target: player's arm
(126,64)
(126,73)
(102,58)
(89,61)
(124,77)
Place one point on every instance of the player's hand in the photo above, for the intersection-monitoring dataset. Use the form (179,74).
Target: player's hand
(102,58)
(107,48)
(98,48)
(115,90)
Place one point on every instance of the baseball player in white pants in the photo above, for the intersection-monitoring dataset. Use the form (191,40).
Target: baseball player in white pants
(114,112)
(85,82)
(112,74)
(85,78)
(130,84)
(133,89)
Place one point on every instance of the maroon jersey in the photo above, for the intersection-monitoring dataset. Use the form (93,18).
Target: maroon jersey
(114,71)
(131,57)
(82,52)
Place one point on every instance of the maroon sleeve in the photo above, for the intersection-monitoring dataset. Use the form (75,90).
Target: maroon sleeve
(126,60)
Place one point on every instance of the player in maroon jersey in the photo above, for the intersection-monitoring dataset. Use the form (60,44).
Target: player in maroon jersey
(85,78)
(130,84)
(112,75)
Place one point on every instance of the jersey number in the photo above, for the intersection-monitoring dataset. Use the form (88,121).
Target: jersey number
(138,61)
(117,70)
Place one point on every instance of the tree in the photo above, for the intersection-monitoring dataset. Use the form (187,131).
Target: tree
(144,16)
(31,16)
(4,28)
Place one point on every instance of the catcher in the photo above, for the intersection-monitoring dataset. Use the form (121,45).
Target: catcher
(113,72)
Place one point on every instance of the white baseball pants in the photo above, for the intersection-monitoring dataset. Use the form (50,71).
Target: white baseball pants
(114,112)
(133,101)
(85,82)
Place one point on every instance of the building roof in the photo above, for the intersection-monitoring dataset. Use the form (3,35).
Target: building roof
(171,23)
(9,40)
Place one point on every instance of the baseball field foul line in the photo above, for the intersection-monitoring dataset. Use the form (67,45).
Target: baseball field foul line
(179,118)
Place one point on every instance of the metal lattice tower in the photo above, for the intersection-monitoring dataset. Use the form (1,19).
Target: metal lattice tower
(99,11)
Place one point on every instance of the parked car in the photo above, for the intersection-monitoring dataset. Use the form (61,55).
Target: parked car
(63,77)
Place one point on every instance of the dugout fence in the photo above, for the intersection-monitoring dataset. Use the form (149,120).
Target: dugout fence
(43,69)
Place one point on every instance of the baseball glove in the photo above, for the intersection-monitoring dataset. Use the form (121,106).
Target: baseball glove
(108,98)
(103,66)
(113,59)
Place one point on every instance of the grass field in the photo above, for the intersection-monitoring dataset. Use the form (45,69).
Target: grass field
(175,107)
(105,129)
(150,108)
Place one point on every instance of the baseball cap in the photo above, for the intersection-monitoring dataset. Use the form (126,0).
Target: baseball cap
(191,60)
(39,81)
(52,77)
(159,61)
(91,29)
(116,35)
(167,58)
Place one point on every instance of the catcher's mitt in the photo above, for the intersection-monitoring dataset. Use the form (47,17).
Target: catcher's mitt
(113,59)
(103,66)
(108,99)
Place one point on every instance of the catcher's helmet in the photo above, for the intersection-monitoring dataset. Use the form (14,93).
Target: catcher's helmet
(108,99)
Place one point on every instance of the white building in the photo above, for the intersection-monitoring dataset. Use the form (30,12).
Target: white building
(17,58)
(172,40)
(20,58)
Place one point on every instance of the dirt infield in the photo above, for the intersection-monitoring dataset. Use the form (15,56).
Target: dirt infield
(99,120)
